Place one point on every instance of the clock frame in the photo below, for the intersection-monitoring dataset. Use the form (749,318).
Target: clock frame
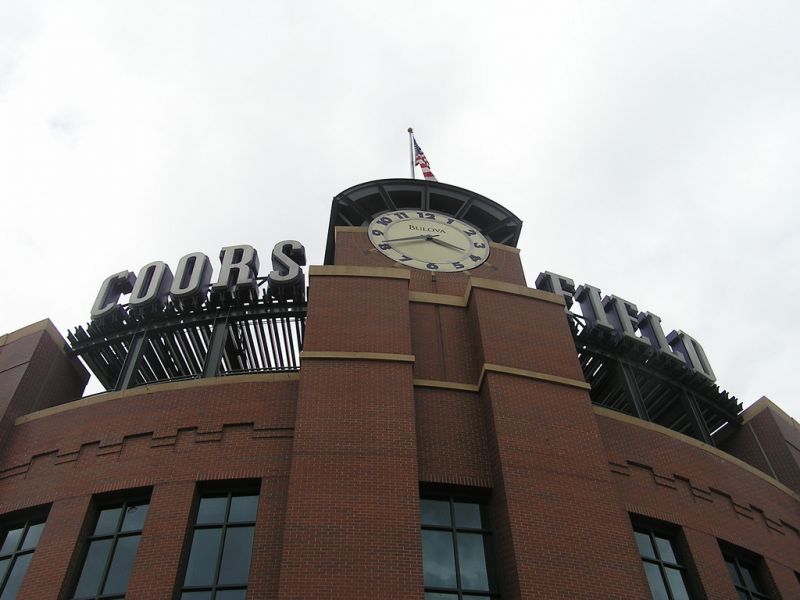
(428,240)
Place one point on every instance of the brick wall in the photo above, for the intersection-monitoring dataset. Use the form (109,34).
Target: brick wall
(162,442)
(674,480)
(35,373)
(475,390)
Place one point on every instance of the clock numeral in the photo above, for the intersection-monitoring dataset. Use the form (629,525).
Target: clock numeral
(432,266)
(479,245)
(475,258)
(385,220)
(401,215)
(426,215)
(405,258)
(470,231)
(458,265)
(377,232)
(385,246)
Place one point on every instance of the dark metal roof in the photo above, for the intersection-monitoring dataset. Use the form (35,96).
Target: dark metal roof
(261,336)
(631,379)
(358,205)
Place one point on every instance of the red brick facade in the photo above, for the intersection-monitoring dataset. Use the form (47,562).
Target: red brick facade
(409,381)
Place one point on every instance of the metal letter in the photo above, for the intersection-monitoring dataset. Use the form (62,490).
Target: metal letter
(192,280)
(239,269)
(105,305)
(151,288)
(287,279)
(592,307)
(650,328)
(622,315)
(693,353)
(557,284)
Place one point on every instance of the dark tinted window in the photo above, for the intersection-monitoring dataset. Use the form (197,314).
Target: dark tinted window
(16,551)
(222,543)
(664,570)
(745,577)
(456,550)
(110,551)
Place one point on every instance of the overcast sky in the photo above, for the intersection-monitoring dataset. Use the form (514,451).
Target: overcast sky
(651,149)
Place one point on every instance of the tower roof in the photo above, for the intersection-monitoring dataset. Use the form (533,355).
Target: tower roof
(358,205)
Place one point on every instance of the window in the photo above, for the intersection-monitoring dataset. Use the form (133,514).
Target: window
(18,543)
(219,559)
(110,551)
(663,567)
(744,572)
(456,550)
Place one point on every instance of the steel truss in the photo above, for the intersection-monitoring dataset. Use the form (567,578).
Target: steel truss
(628,377)
(260,337)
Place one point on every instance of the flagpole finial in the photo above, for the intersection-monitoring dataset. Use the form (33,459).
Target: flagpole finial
(410,130)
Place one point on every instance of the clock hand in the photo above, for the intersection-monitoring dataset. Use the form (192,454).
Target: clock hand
(413,237)
(446,244)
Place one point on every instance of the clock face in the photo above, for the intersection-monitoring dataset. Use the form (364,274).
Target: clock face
(428,240)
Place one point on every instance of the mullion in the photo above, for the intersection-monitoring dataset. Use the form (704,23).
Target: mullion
(454,536)
(14,555)
(664,578)
(744,587)
(660,563)
(484,533)
(454,530)
(11,562)
(221,546)
(115,539)
(109,558)
(224,525)
(461,529)
(114,536)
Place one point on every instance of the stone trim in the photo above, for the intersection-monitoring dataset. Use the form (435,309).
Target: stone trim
(512,288)
(763,404)
(492,368)
(350,229)
(43,325)
(444,299)
(446,385)
(332,355)
(157,388)
(351,271)
(484,284)
(503,247)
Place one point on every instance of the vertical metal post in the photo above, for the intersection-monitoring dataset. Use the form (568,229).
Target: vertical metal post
(411,150)
(696,418)
(131,361)
(634,393)
(219,335)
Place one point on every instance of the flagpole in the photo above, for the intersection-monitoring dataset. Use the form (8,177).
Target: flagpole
(411,150)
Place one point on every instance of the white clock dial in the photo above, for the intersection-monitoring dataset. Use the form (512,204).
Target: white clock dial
(428,240)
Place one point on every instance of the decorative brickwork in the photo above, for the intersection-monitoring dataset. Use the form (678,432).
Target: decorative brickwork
(464,384)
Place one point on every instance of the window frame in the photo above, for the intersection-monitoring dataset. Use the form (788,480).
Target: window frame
(26,519)
(670,533)
(124,502)
(459,592)
(740,558)
(218,491)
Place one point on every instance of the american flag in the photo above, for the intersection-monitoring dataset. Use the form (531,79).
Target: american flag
(420,160)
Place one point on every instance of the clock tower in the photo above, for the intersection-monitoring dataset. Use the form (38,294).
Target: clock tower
(419,425)
(423,372)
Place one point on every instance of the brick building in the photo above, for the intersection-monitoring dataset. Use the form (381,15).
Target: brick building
(448,433)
